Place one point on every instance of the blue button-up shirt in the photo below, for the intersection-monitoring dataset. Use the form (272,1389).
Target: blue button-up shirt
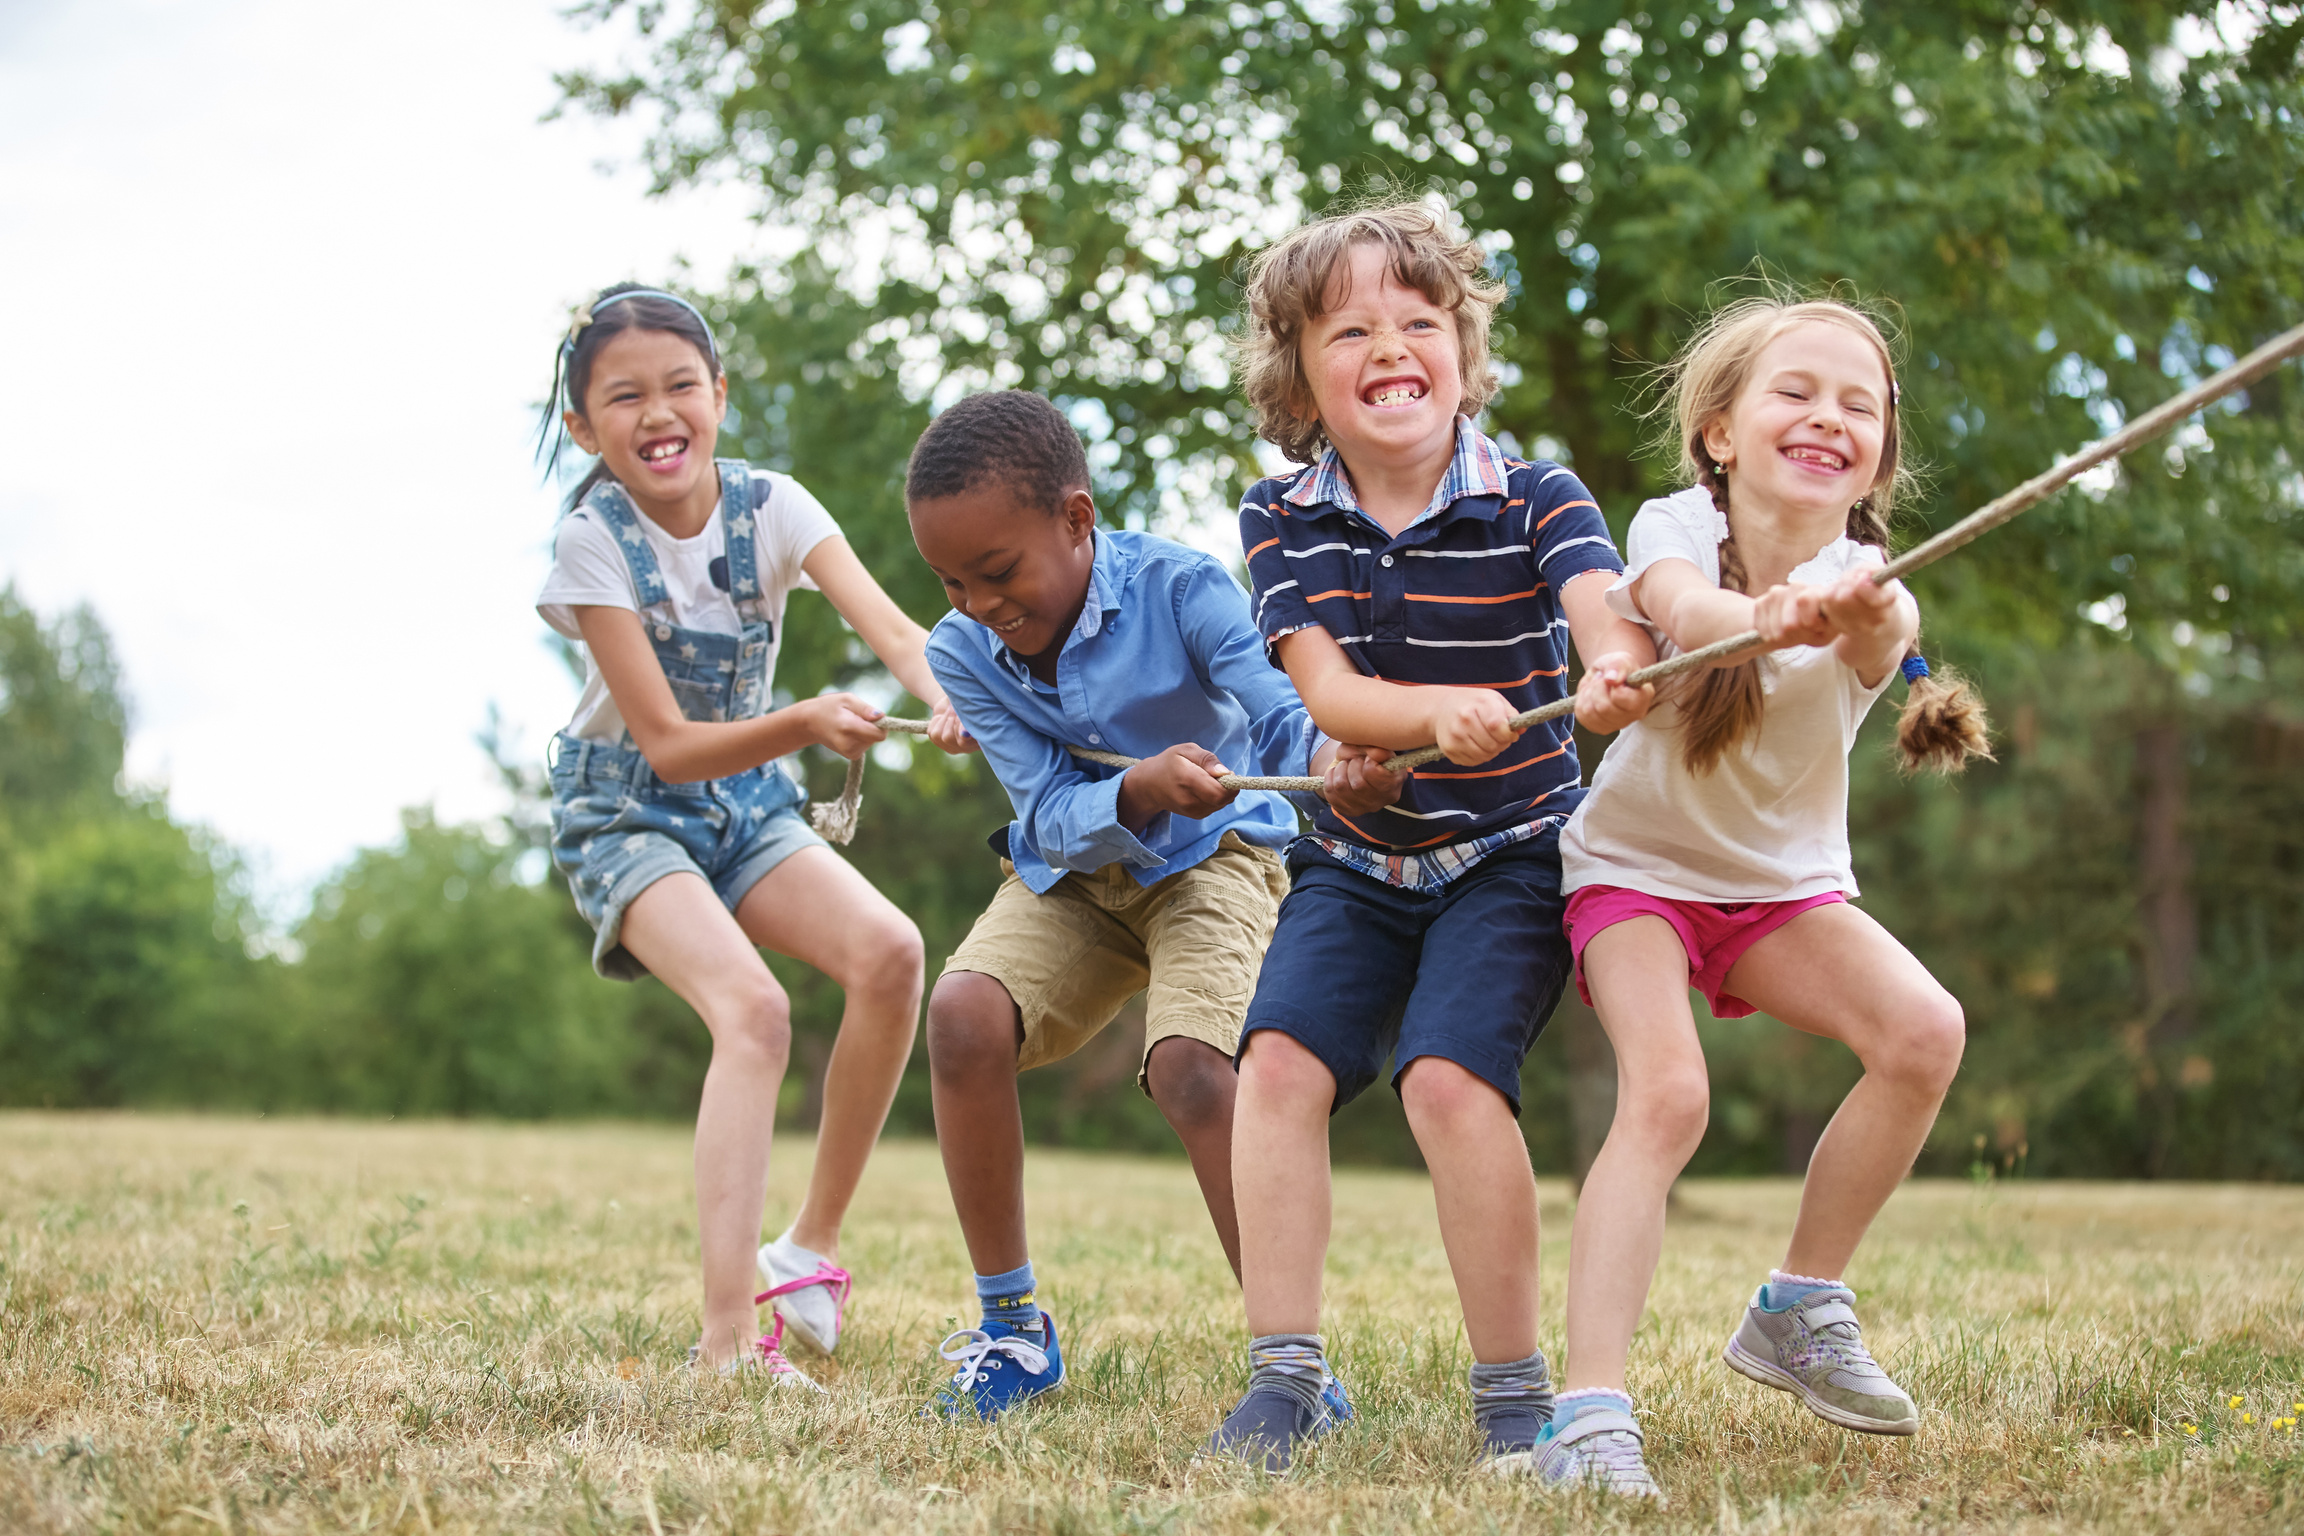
(1163,653)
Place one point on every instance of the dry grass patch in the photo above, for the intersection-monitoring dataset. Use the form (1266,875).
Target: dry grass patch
(258,1326)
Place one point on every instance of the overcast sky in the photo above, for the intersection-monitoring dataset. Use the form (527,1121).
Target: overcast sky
(282,282)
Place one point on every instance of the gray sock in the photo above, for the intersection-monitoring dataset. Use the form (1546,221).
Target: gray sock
(1512,1385)
(1294,1363)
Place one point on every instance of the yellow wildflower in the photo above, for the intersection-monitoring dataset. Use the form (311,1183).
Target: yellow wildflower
(2235,1402)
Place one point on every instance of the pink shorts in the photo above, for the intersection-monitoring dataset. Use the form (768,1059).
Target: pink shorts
(1715,934)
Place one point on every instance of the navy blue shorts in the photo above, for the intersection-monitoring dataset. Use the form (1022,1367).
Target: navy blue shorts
(1360,970)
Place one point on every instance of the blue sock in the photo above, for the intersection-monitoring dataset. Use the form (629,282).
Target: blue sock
(1011,1300)
(1570,1404)
(1784,1289)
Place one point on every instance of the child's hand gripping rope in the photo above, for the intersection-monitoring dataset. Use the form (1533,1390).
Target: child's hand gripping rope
(836,820)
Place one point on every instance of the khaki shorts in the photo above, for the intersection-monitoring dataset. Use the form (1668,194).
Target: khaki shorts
(1073,957)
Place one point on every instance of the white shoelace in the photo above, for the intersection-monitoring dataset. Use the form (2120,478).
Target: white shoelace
(978,1349)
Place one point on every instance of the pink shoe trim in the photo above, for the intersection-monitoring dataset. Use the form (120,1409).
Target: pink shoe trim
(831,1276)
(771,1347)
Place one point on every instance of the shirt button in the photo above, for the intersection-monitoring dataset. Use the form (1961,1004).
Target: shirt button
(1387,560)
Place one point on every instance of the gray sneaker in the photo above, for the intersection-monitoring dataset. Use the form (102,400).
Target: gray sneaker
(1814,1349)
(1598,1448)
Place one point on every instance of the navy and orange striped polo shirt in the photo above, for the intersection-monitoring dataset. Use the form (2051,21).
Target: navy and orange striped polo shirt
(1466,596)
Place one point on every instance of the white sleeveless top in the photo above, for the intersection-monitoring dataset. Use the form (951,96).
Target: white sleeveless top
(1770,822)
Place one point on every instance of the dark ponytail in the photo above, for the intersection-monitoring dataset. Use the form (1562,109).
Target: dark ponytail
(614,310)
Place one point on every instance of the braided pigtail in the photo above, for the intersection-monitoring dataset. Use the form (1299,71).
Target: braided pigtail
(1943,723)
(1720,707)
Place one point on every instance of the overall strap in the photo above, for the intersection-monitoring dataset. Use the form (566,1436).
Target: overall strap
(615,508)
(741,498)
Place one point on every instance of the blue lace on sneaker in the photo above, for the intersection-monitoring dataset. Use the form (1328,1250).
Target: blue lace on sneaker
(999,1368)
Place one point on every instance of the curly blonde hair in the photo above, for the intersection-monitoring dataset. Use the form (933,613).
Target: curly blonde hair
(1943,722)
(1287,289)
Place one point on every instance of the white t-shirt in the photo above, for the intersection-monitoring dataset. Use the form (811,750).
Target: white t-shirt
(588,569)
(1770,822)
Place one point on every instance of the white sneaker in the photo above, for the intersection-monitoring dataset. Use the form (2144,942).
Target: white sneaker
(809,1291)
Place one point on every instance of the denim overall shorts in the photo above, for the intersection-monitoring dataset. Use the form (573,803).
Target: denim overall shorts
(616,827)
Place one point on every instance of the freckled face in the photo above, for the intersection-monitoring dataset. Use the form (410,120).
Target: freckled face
(1809,429)
(1385,370)
(1016,568)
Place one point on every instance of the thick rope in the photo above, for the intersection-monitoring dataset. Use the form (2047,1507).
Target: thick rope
(836,819)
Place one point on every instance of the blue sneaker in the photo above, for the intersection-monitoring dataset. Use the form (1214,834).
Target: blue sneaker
(1268,1425)
(999,1368)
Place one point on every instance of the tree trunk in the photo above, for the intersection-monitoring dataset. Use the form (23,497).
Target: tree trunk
(2164,883)
(2170,923)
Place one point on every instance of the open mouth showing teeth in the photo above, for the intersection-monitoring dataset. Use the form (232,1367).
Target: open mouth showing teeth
(1822,458)
(1399,392)
(664,450)
(1008,628)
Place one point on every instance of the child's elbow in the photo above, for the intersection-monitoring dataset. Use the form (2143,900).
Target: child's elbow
(666,753)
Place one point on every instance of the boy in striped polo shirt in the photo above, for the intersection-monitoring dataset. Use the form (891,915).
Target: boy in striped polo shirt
(1413,551)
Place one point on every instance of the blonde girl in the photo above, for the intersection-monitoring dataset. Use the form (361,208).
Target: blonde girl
(1713,852)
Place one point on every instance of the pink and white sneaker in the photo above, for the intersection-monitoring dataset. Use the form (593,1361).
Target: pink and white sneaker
(809,1291)
(766,1354)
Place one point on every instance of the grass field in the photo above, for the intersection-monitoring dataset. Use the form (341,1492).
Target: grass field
(257,1326)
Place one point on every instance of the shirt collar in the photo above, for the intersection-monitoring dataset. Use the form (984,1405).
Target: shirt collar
(1477,468)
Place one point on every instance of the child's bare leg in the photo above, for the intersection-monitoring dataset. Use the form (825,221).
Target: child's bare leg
(1195,1087)
(1280,1178)
(1638,975)
(680,931)
(1485,1193)
(816,908)
(1835,972)
(974,1034)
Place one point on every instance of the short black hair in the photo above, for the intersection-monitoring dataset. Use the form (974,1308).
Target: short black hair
(1012,435)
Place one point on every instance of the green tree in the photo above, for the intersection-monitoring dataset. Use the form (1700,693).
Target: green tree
(2080,205)
(442,982)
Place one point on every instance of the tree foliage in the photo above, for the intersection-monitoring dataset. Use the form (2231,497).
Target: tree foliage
(2077,208)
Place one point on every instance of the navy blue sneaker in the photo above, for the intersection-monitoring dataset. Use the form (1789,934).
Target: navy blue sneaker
(999,1368)
(1268,1425)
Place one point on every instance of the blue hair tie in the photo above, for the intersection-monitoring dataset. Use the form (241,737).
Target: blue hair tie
(1915,668)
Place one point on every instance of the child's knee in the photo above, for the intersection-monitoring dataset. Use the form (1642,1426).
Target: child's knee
(751,1016)
(1924,1046)
(1436,1090)
(972,1026)
(887,957)
(1192,1082)
(1283,1070)
(1667,1110)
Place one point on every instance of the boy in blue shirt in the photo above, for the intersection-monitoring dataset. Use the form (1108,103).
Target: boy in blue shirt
(1411,551)
(1118,880)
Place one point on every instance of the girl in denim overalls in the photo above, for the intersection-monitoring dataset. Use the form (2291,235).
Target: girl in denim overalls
(682,839)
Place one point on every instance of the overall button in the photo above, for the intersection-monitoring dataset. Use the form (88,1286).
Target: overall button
(1095,740)
(663,631)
